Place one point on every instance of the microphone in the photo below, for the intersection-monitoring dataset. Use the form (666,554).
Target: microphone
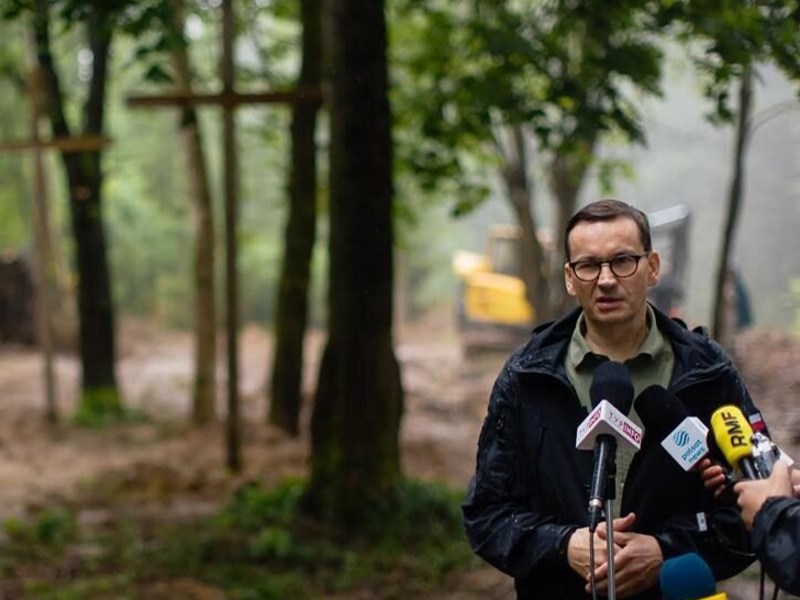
(753,453)
(611,394)
(688,577)
(665,417)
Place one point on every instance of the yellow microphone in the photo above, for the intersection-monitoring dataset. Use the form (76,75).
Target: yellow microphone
(734,437)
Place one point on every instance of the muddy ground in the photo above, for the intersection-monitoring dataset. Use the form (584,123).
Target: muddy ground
(168,467)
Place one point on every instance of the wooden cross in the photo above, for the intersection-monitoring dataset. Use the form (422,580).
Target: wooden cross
(229,99)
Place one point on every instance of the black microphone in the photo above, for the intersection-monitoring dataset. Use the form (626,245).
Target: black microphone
(666,419)
(611,381)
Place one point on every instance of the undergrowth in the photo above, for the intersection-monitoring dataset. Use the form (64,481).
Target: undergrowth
(260,546)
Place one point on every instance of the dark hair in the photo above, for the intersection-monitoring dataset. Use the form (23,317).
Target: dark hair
(607,210)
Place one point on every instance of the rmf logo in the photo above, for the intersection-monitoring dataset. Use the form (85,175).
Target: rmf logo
(733,428)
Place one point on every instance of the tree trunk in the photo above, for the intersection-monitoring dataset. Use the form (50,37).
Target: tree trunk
(99,396)
(520,194)
(299,236)
(205,315)
(542,267)
(44,263)
(568,172)
(355,460)
(735,194)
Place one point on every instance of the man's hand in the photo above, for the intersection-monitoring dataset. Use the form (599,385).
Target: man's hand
(578,547)
(753,494)
(713,475)
(637,561)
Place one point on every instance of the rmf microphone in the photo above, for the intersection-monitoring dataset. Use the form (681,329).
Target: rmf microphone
(688,577)
(664,417)
(611,394)
(753,453)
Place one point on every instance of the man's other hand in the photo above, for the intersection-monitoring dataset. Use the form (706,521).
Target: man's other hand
(637,561)
(578,547)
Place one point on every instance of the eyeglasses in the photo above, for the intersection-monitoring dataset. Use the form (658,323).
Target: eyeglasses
(621,266)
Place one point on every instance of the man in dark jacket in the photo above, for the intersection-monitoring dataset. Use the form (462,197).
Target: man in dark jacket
(769,509)
(526,507)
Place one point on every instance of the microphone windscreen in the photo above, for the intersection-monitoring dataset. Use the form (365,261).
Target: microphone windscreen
(687,577)
(660,411)
(612,381)
(732,433)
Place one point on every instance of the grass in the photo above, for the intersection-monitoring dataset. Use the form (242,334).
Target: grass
(260,546)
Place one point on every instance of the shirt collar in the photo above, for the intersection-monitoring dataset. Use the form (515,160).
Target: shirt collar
(582,357)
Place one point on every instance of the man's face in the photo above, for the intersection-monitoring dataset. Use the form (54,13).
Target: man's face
(610,299)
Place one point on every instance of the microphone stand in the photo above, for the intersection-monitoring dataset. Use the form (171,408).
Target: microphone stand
(610,495)
(607,494)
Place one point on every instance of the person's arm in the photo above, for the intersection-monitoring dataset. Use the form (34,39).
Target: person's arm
(503,518)
(776,538)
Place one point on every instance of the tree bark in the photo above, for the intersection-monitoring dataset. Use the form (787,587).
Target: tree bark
(205,314)
(44,263)
(355,460)
(520,194)
(735,193)
(567,175)
(299,237)
(541,267)
(100,395)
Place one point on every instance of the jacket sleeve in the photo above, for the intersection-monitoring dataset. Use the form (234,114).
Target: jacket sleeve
(503,519)
(776,537)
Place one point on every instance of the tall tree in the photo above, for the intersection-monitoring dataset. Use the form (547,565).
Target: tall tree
(734,39)
(84,175)
(720,328)
(533,89)
(205,314)
(300,234)
(355,426)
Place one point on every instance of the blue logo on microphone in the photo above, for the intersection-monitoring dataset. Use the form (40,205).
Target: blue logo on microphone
(681,438)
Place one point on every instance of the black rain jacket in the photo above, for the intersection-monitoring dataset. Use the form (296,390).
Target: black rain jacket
(529,491)
(776,539)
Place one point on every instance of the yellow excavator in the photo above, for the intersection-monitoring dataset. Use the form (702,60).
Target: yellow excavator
(492,308)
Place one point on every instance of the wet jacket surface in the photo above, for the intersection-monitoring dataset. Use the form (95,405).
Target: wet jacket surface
(776,538)
(530,488)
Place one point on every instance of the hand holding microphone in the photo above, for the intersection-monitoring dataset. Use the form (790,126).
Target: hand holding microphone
(753,453)
(753,494)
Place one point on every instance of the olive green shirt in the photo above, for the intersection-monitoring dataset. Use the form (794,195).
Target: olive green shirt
(652,365)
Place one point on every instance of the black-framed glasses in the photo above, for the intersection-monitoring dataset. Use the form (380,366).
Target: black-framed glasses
(621,266)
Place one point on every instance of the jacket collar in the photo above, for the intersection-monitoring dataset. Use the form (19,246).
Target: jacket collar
(697,356)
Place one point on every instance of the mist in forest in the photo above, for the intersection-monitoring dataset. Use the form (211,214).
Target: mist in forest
(689,161)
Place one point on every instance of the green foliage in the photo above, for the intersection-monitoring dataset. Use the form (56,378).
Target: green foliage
(99,406)
(725,37)
(569,72)
(261,546)
(52,528)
